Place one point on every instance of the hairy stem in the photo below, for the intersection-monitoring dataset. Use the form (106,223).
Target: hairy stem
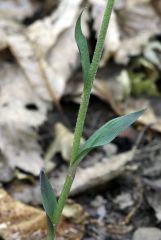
(64,195)
(83,110)
(89,83)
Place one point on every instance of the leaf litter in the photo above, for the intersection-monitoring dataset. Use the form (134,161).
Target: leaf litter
(32,81)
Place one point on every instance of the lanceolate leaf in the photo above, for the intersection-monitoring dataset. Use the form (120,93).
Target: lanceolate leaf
(48,196)
(108,132)
(83,48)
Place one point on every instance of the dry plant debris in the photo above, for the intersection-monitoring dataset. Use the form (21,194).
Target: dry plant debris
(36,44)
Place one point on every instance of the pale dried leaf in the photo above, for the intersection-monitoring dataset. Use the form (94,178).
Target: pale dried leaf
(131,47)
(44,33)
(43,51)
(113,88)
(7,28)
(47,51)
(62,144)
(152,115)
(61,62)
(136,35)
(112,41)
(100,173)
(17,10)
(24,52)
(126,36)
(21,113)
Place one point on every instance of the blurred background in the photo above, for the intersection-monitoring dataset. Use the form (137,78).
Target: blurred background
(117,191)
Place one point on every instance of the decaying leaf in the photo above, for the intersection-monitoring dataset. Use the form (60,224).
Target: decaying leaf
(18,10)
(22,222)
(100,173)
(21,112)
(7,28)
(74,212)
(95,175)
(62,144)
(112,42)
(127,36)
(44,63)
(44,49)
(112,85)
(152,115)
(136,35)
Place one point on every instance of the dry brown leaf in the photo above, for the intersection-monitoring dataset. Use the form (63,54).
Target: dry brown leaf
(19,221)
(74,212)
(22,222)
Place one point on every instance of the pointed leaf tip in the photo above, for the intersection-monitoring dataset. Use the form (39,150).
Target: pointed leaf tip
(48,196)
(108,132)
(83,48)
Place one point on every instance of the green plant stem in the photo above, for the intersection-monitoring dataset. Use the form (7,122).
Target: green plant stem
(51,230)
(89,83)
(64,195)
(83,110)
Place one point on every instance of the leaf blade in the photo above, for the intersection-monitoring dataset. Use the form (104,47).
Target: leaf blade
(108,132)
(48,196)
(83,48)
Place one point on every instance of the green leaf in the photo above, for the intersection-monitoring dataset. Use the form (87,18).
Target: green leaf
(83,48)
(108,132)
(48,196)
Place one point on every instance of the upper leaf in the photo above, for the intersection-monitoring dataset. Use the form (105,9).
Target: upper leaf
(48,196)
(108,132)
(83,48)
